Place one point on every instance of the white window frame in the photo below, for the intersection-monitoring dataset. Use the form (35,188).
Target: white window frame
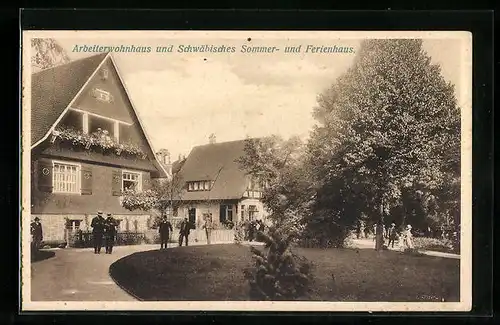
(191,186)
(78,177)
(139,179)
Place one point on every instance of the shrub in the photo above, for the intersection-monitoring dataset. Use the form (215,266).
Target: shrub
(239,233)
(278,274)
(433,244)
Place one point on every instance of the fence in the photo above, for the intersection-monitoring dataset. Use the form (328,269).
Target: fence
(84,239)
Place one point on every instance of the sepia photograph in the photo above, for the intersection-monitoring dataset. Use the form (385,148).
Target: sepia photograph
(249,170)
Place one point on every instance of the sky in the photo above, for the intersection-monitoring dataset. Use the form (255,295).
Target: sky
(182,98)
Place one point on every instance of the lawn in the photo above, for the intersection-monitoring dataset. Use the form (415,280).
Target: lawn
(215,272)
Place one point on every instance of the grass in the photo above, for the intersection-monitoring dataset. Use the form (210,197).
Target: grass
(41,255)
(215,273)
(434,244)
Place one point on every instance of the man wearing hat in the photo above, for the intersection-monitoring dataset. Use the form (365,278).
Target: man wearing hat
(392,234)
(185,229)
(36,233)
(109,233)
(164,229)
(97,225)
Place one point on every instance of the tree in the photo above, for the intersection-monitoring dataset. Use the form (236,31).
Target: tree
(278,273)
(387,128)
(165,195)
(47,53)
(278,165)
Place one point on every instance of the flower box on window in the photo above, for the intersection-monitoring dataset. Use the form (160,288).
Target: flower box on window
(97,141)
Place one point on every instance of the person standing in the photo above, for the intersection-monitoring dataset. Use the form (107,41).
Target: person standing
(408,238)
(109,233)
(208,228)
(184,231)
(164,229)
(251,230)
(392,235)
(36,234)
(97,225)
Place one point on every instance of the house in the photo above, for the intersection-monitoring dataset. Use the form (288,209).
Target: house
(215,184)
(87,146)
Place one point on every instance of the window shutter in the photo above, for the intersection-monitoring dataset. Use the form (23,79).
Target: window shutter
(116,186)
(146,182)
(45,176)
(86,181)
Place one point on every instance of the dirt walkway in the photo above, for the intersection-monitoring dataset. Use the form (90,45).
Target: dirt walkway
(369,243)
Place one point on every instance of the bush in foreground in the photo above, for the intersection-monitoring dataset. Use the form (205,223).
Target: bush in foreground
(278,274)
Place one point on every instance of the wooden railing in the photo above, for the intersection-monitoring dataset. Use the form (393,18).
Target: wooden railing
(84,239)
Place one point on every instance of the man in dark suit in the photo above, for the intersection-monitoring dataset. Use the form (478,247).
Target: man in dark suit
(164,229)
(36,233)
(98,223)
(184,231)
(109,233)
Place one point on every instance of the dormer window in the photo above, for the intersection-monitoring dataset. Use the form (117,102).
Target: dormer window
(199,186)
(102,95)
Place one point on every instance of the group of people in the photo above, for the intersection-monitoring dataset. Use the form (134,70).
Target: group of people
(165,229)
(252,229)
(390,234)
(103,231)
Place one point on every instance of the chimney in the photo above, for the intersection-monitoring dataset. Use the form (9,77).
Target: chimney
(212,138)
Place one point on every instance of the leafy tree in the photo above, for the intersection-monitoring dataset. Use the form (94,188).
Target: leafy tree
(278,165)
(387,128)
(47,53)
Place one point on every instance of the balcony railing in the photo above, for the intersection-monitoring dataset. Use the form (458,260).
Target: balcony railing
(97,141)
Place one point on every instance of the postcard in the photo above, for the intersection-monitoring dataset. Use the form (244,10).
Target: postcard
(246,171)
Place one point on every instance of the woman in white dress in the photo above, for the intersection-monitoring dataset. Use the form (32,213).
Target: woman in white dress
(408,238)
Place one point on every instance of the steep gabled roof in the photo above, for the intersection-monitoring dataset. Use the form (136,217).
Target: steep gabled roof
(216,162)
(52,90)
(177,165)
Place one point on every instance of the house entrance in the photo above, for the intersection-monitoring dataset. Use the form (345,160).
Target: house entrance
(192,215)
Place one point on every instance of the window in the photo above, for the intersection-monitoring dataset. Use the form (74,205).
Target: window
(199,186)
(242,212)
(73,120)
(131,181)
(104,74)
(73,225)
(252,212)
(96,123)
(102,95)
(66,178)
(226,213)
